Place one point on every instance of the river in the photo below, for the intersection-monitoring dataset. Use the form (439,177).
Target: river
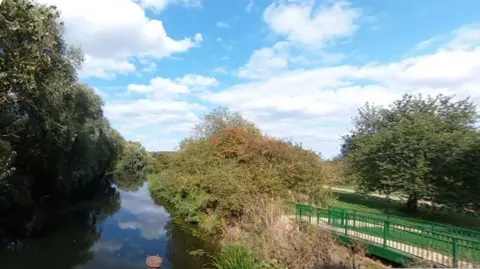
(116,231)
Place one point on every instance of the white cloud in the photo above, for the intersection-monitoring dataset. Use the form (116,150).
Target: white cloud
(307,31)
(315,105)
(150,113)
(197,81)
(105,68)
(168,88)
(114,31)
(301,22)
(266,61)
(249,7)
(425,44)
(464,38)
(150,219)
(220,70)
(222,24)
(102,94)
(160,5)
(198,38)
(166,107)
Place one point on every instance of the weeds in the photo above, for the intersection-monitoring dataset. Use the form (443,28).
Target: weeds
(275,237)
(236,256)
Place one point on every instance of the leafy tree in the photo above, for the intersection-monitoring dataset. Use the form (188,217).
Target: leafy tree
(131,167)
(162,161)
(220,171)
(419,147)
(219,119)
(54,139)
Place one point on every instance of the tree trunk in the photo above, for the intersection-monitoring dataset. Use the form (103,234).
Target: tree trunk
(412,203)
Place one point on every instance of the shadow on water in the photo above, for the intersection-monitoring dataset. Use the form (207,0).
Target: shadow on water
(116,230)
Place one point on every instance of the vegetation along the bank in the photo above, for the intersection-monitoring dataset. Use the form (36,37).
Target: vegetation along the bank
(233,181)
(56,146)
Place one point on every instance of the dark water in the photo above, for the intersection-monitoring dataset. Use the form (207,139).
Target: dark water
(117,230)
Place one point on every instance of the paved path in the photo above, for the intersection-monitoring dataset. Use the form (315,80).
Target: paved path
(426,254)
(391,197)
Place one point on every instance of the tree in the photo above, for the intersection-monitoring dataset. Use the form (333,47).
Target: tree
(218,120)
(54,139)
(215,175)
(162,161)
(131,167)
(415,147)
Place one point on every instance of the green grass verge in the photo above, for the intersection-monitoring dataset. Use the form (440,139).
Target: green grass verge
(360,202)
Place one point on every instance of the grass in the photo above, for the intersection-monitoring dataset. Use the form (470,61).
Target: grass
(236,256)
(384,207)
(279,241)
(360,202)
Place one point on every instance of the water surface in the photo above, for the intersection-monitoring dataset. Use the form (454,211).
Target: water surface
(115,231)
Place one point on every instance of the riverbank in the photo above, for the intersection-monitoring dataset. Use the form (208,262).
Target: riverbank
(231,181)
(266,238)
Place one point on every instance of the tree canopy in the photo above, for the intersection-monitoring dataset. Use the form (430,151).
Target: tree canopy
(424,148)
(54,138)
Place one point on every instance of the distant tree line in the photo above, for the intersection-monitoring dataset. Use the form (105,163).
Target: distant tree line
(423,148)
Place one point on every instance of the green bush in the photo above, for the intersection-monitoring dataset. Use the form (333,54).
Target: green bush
(236,256)
(220,170)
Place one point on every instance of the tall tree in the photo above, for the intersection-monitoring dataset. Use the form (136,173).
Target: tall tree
(418,147)
(54,138)
(219,119)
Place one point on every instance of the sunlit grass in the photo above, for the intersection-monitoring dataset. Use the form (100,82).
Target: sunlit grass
(360,202)
(236,256)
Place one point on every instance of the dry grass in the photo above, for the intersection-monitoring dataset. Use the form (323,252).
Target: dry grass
(275,237)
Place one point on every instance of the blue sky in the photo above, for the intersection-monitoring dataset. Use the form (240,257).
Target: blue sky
(298,69)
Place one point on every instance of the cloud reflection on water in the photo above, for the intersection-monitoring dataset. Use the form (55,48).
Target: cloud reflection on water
(149,218)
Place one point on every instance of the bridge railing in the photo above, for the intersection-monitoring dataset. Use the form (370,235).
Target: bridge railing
(424,225)
(448,249)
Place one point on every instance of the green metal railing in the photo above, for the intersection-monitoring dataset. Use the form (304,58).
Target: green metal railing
(447,247)
(424,225)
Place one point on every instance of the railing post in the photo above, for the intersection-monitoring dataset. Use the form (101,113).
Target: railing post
(455,253)
(329,216)
(354,218)
(343,216)
(386,229)
(346,223)
(318,218)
